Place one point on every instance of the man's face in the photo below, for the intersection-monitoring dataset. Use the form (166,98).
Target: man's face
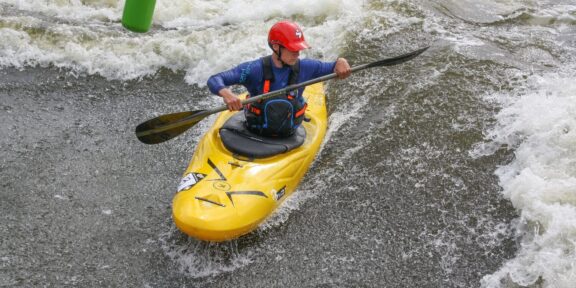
(289,57)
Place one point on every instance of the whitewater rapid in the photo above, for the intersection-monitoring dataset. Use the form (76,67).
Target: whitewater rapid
(538,122)
(532,114)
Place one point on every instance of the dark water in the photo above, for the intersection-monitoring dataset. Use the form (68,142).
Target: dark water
(80,195)
(394,198)
(86,204)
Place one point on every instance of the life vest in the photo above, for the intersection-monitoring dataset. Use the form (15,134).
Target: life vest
(277,116)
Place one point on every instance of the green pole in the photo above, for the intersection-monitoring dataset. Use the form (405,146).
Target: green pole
(138,14)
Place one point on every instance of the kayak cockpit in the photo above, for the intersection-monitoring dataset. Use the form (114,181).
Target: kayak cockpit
(239,140)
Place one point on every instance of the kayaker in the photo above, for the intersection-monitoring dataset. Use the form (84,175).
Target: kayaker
(278,116)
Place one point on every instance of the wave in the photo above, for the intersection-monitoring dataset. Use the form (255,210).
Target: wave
(199,37)
(509,12)
(538,122)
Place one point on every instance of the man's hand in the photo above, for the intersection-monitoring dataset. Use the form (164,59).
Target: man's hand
(230,99)
(342,68)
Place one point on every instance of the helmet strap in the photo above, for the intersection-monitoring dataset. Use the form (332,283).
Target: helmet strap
(279,53)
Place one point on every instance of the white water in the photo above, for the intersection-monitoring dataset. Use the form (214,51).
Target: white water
(199,259)
(539,121)
(204,37)
(199,37)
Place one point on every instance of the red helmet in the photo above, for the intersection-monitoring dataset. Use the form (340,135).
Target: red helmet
(287,34)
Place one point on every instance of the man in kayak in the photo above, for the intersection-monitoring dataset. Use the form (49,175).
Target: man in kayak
(278,116)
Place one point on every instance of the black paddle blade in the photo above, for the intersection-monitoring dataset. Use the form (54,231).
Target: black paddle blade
(398,59)
(166,127)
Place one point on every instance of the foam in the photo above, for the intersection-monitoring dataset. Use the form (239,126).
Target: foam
(199,37)
(198,259)
(538,121)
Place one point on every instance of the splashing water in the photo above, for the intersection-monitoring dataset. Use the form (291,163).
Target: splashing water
(539,122)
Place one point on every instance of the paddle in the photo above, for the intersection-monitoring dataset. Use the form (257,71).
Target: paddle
(166,127)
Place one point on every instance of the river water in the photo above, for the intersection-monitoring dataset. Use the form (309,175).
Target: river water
(456,169)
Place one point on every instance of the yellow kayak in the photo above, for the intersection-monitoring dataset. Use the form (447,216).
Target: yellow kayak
(234,182)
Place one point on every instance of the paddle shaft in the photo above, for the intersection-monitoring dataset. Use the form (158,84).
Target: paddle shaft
(168,126)
(192,118)
(288,88)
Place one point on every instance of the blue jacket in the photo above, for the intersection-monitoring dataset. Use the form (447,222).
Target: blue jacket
(250,75)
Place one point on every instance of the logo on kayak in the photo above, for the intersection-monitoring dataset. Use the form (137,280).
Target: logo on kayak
(222,186)
(190,180)
(280,193)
